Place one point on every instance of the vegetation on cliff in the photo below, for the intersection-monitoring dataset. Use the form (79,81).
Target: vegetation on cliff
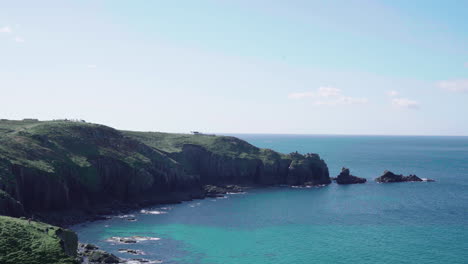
(60,165)
(23,241)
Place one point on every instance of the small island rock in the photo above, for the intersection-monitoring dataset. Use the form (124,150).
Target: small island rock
(389,176)
(346,178)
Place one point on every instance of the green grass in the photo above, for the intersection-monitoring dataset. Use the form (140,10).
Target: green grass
(32,243)
(221,145)
(50,146)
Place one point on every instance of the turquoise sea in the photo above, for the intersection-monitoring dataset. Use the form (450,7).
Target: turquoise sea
(366,223)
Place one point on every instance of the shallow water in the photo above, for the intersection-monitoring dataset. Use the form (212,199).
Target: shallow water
(368,223)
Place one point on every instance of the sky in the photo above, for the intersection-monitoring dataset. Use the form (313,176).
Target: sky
(360,67)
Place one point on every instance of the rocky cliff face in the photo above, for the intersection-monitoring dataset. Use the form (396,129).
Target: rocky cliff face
(292,169)
(75,166)
(57,166)
(10,206)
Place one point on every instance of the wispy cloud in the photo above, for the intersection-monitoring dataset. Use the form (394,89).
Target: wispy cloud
(393,93)
(301,95)
(455,86)
(402,102)
(5,29)
(19,39)
(328,96)
(405,103)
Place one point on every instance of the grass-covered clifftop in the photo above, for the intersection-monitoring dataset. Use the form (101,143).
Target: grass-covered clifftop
(32,242)
(62,165)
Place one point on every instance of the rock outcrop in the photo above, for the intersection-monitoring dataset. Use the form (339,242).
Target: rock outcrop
(220,191)
(389,176)
(346,178)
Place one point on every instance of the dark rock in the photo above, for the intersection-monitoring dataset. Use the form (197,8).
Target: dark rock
(346,178)
(127,240)
(89,246)
(389,176)
(308,168)
(132,251)
(9,206)
(99,256)
(219,191)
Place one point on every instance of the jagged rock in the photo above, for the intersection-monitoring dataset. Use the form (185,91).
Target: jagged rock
(389,176)
(132,251)
(100,256)
(308,168)
(346,178)
(220,191)
(87,247)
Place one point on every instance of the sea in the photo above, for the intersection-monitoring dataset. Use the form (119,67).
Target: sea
(414,222)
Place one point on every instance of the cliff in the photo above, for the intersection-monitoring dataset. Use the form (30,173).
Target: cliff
(57,166)
(222,160)
(23,241)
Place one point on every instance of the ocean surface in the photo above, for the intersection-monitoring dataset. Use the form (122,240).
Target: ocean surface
(365,223)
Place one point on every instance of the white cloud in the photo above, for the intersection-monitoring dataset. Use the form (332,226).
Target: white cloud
(402,102)
(328,96)
(91,66)
(328,91)
(393,93)
(343,100)
(454,85)
(5,29)
(405,103)
(19,39)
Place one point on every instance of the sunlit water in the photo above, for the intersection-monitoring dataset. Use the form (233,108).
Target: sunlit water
(366,223)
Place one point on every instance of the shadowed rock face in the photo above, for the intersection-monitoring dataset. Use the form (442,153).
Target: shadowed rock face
(9,206)
(346,178)
(60,166)
(291,169)
(389,176)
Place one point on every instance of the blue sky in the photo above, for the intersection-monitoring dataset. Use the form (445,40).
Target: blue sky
(308,67)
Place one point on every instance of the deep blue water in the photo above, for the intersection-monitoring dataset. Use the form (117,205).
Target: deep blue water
(367,223)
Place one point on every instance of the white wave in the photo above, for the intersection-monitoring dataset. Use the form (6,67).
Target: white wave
(154,212)
(140,261)
(125,216)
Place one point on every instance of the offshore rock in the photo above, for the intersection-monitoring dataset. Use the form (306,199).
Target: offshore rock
(346,178)
(389,176)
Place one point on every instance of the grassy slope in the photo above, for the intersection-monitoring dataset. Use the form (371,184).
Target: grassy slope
(221,145)
(48,145)
(21,142)
(34,243)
